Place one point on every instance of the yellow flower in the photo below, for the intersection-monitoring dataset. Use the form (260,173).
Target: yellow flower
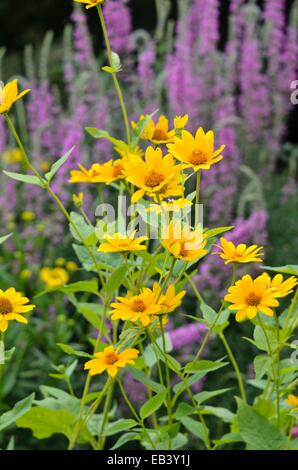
(78,199)
(196,152)
(27,216)
(111,360)
(283,288)
(9,95)
(112,171)
(180,121)
(90,3)
(122,243)
(12,305)
(55,277)
(251,296)
(71,266)
(182,242)
(44,166)
(170,300)
(12,156)
(157,133)
(173,205)
(238,254)
(86,176)
(293,401)
(143,307)
(157,176)
(125,150)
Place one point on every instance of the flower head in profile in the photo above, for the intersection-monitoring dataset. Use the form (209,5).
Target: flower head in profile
(196,152)
(158,133)
(54,278)
(169,301)
(183,242)
(282,287)
(93,175)
(157,176)
(111,171)
(141,308)
(293,401)
(172,205)
(111,360)
(180,122)
(9,94)
(78,199)
(118,243)
(238,253)
(90,3)
(12,306)
(250,296)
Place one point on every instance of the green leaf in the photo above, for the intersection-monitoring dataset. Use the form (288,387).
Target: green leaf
(203,366)
(144,379)
(184,409)
(71,351)
(194,427)
(211,315)
(57,165)
(228,439)
(4,238)
(257,431)
(90,286)
(127,437)
(115,280)
(205,396)
(261,340)
(116,62)
(153,404)
(30,179)
(151,352)
(91,312)
(223,413)
(120,426)
(287,269)
(101,134)
(213,232)
(19,409)
(141,126)
(261,365)
(45,422)
(86,231)
(109,69)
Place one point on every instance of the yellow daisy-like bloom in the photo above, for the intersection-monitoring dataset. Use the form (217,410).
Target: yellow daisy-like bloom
(112,171)
(90,3)
(12,156)
(182,242)
(55,277)
(170,300)
(293,401)
(137,308)
(28,216)
(118,243)
(12,305)
(156,176)
(238,253)
(283,288)
(86,176)
(251,296)
(180,121)
(125,150)
(196,152)
(9,95)
(173,205)
(111,360)
(157,133)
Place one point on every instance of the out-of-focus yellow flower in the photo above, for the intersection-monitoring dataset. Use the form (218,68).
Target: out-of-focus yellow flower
(86,176)
(170,300)
(158,133)
(27,216)
(238,253)
(251,296)
(122,243)
(196,152)
(78,199)
(90,3)
(71,266)
(44,166)
(173,205)
(60,262)
(111,360)
(182,242)
(137,308)
(283,288)
(12,156)
(55,277)
(157,176)
(12,305)
(293,401)
(9,95)
(180,121)
(25,274)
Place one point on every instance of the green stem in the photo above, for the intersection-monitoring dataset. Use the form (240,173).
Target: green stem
(235,365)
(292,306)
(197,208)
(168,379)
(293,419)
(135,414)
(194,288)
(114,74)
(105,418)
(2,364)
(277,368)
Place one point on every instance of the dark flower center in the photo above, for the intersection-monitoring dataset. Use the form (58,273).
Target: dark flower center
(160,134)
(111,358)
(153,179)
(138,306)
(198,157)
(6,306)
(253,299)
